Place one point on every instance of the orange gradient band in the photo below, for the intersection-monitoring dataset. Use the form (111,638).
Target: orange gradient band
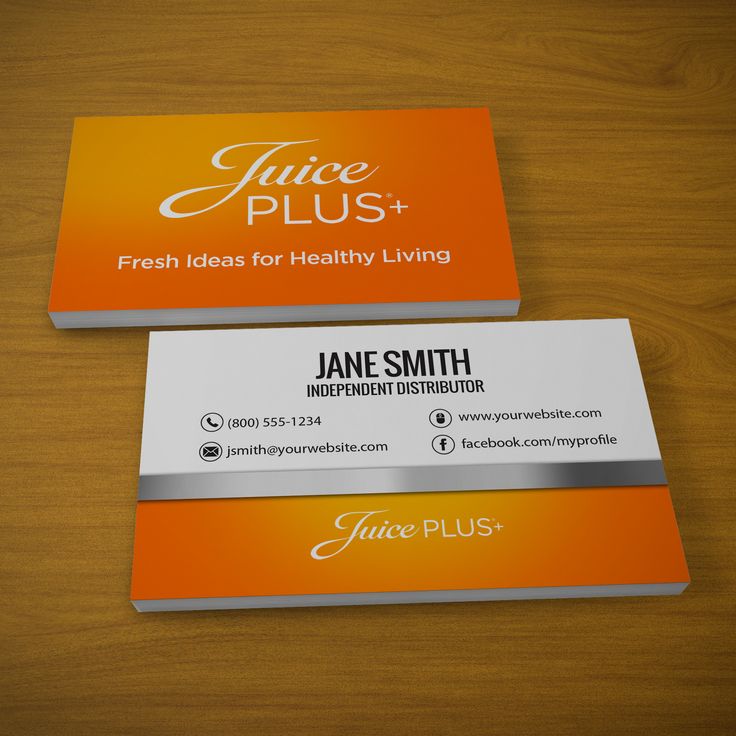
(262,546)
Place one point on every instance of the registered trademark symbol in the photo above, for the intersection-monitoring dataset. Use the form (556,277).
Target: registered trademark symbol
(389,195)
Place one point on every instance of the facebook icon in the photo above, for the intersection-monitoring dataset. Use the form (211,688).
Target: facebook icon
(443,444)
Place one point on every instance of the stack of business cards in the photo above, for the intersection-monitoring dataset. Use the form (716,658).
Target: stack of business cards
(201,219)
(323,466)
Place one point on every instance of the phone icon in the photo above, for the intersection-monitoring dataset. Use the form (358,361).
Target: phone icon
(211,422)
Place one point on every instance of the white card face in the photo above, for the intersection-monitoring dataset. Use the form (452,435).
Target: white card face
(429,397)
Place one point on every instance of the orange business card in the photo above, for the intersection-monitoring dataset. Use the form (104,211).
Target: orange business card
(190,219)
(406,547)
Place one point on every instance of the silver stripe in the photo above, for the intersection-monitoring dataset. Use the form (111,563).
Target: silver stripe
(399,480)
(409,596)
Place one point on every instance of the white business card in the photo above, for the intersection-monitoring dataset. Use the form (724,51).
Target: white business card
(261,412)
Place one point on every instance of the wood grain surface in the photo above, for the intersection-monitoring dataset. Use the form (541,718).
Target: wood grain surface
(616,126)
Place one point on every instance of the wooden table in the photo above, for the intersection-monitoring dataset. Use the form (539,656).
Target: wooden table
(616,126)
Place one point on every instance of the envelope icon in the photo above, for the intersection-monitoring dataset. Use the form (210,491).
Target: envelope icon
(210,451)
